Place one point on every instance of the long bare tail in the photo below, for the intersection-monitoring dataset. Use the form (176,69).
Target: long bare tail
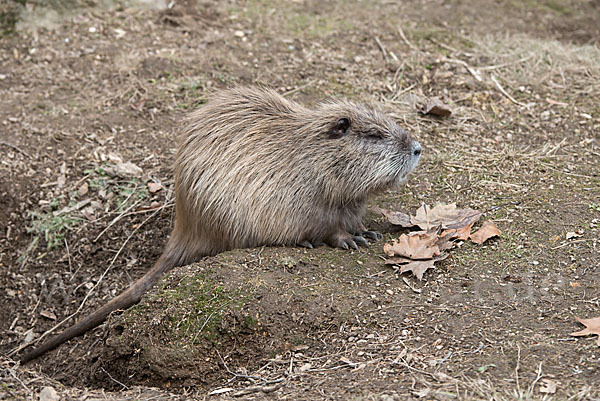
(129,297)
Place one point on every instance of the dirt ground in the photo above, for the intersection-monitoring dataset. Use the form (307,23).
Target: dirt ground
(87,90)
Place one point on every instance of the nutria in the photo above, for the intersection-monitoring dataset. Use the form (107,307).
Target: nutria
(254,168)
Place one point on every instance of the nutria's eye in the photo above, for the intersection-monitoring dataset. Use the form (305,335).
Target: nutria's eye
(340,129)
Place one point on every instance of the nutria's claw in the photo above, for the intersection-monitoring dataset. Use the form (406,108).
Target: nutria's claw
(374,235)
(350,243)
(305,244)
(360,240)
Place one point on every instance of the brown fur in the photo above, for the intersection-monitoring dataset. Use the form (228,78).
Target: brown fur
(256,169)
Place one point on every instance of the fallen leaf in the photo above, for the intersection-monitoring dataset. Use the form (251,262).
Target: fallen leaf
(447,216)
(446,241)
(574,284)
(417,245)
(487,231)
(395,218)
(461,234)
(592,326)
(547,386)
(436,107)
(397,260)
(419,267)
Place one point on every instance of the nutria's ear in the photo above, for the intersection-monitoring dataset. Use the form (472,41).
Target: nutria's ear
(340,128)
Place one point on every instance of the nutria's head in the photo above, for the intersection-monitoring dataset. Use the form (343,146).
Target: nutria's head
(373,151)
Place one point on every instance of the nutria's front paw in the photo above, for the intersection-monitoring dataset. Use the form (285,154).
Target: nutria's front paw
(345,240)
(374,235)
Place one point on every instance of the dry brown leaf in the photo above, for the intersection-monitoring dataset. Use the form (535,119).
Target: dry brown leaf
(487,231)
(397,260)
(461,234)
(419,267)
(417,245)
(395,218)
(592,326)
(447,216)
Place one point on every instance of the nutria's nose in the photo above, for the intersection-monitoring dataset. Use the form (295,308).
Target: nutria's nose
(416,148)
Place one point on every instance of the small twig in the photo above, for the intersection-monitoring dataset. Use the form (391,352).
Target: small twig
(572,242)
(443,46)
(470,69)
(415,290)
(298,89)
(494,67)
(517,367)
(538,377)
(509,97)
(15,147)
(119,217)
(204,324)
(255,389)
(513,203)
(20,381)
(113,379)
(403,36)
(70,209)
(382,48)
(238,375)
(68,255)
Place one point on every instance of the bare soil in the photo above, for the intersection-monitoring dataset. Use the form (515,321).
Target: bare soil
(94,87)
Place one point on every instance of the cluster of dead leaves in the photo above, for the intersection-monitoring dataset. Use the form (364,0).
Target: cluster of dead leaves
(443,227)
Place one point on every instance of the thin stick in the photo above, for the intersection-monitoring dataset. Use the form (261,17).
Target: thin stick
(119,217)
(113,379)
(382,48)
(15,147)
(298,89)
(403,36)
(539,376)
(470,69)
(509,97)
(517,367)
(444,46)
(68,256)
(494,67)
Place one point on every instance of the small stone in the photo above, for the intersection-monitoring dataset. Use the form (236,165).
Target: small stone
(154,187)
(83,189)
(436,107)
(128,170)
(49,394)
(239,34)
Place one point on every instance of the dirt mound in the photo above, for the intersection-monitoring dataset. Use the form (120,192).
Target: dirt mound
(240,308)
